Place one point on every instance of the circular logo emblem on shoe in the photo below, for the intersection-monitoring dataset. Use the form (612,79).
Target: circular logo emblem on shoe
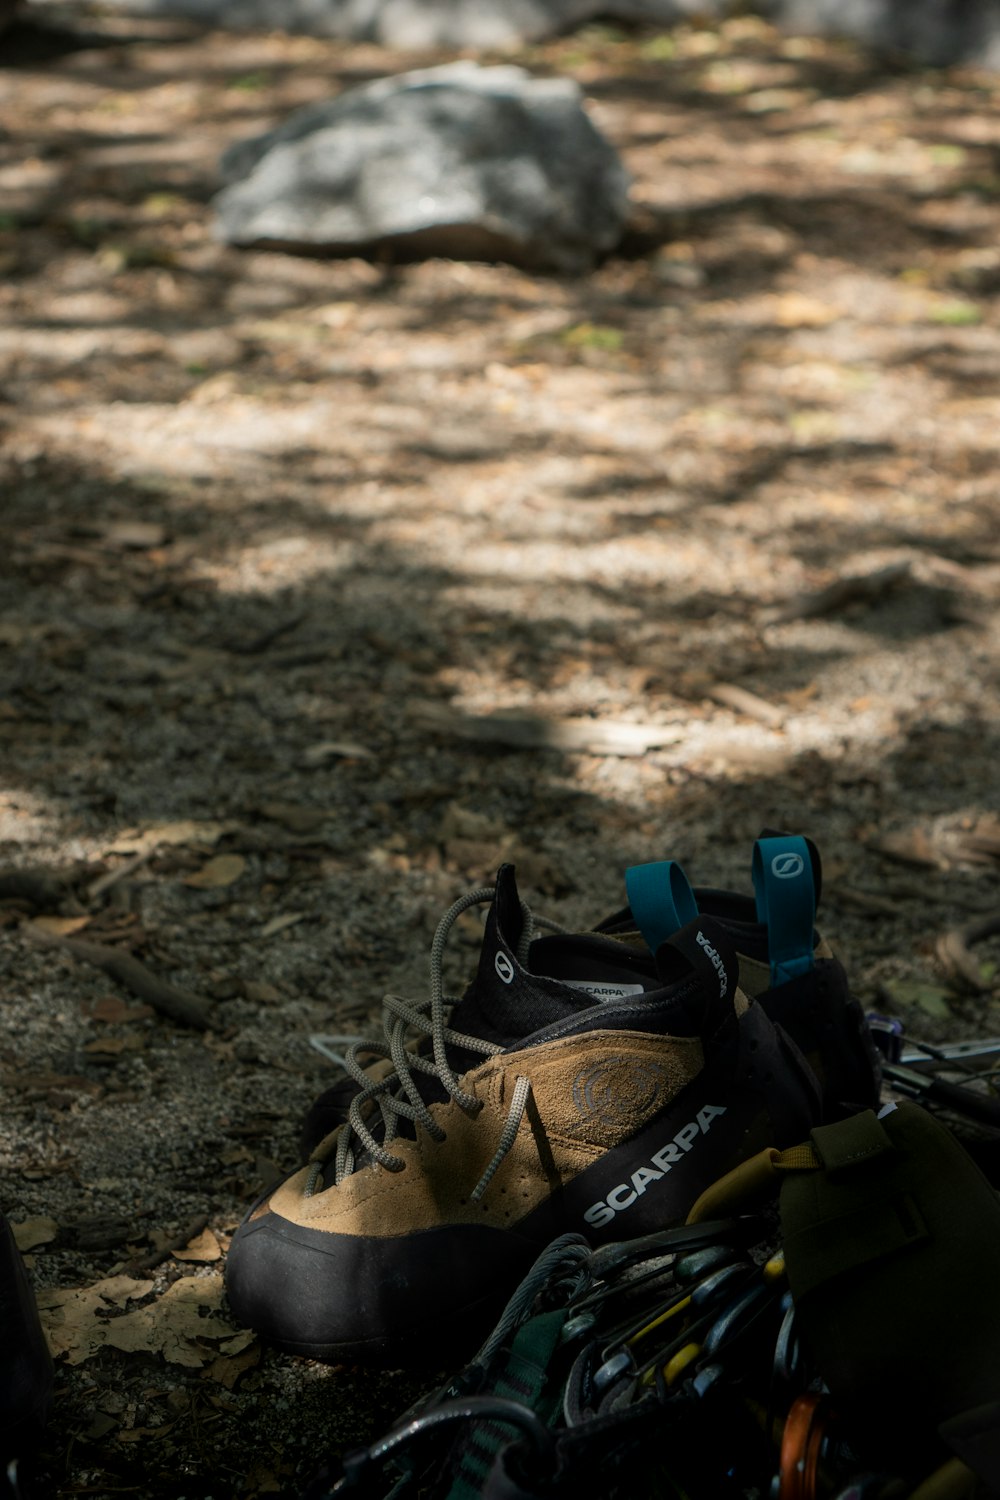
(504,968)
(787,866)
(618,1093)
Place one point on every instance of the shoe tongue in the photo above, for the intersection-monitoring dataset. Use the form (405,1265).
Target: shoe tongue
(504,1003)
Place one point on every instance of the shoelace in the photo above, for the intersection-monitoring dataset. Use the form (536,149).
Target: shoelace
(397,1095)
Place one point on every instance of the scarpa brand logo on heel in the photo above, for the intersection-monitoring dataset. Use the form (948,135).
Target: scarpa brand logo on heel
(716,960)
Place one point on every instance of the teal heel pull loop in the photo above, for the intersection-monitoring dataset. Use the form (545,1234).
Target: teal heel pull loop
(786,901)
(661,899)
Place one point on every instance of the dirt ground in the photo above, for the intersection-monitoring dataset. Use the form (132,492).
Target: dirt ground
(279,531)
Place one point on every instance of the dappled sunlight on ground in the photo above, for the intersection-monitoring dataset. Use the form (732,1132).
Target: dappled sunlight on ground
(279,531)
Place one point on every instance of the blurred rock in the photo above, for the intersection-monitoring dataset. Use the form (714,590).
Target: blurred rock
(463,161)
(421,23)
(939,32)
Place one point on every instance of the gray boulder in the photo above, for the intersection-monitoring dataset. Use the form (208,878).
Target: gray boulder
(462,161)
(939,32)
(417,24)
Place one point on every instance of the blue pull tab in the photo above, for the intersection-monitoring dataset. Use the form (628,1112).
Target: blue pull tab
(786,901)
(661,899)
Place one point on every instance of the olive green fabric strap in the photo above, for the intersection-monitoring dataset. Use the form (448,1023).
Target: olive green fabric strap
(862,1230)
(851,1143)
(522,1379)
(836,1246)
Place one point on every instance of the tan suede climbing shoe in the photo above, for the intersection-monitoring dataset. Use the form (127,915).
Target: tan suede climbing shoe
(538,1106)
(785,964)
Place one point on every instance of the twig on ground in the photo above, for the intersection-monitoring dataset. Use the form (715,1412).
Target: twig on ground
(530,732)
(866,902)
(982,843)
(105,883)
(154,1258)
(859,586)
(260,643)
(954,952)
(730,695)
(179,1004)
(912,848)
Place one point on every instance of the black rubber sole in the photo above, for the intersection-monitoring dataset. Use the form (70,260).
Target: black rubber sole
(422,1351)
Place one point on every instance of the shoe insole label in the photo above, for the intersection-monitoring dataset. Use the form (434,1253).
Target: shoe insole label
(602,989)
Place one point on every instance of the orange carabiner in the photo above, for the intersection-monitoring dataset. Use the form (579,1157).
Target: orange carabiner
(801,1447)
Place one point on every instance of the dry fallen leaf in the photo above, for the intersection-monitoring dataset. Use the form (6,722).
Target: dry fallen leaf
(260,992)
(235,1155)
(267,1480)
(278,924)
(113,1046)
(134,536)
(795,310)
(33,1232)
(177,1325)
(59,926)
(182,1325)
(295,816)
(70,1317)
(203,1247)
(228,1368)
(112,1009)
(327,750)
(224,870)
(109,1046)
(238,1342)
(199,833)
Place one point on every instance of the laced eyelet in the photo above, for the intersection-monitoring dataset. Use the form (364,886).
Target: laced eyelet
(397,1096)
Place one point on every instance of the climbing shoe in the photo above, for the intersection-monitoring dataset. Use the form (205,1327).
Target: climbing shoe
(784,964)
(536,1105)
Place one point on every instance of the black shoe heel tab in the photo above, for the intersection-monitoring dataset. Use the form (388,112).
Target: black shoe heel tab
(704,946)
(506,915)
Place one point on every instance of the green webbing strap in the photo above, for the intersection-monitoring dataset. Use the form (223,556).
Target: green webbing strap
(851,1143)
(521,1379)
